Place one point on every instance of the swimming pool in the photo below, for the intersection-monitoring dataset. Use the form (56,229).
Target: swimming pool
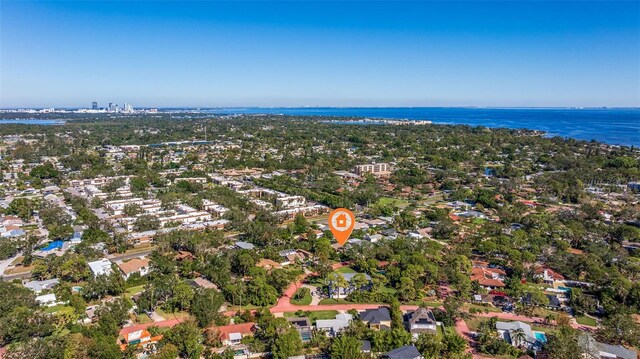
(540,336)
(53,245)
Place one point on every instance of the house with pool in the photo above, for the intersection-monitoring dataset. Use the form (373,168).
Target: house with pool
(519,334)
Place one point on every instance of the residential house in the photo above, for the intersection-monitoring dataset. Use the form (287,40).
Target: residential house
(554,302)
(37,286)
(497,300)
(333,326)
(290,256)
(350,288)
(48,300)
(595,349)
(100,267)
(184,256)
(201,282)
(303,326)
(232,334)
(135,265)
(365,347)
(420,321)
(268,264)
(138,337)
(244,245)
(547,275)
(405,352)
(486,276)
(377,319)
(518,334)
(471,214)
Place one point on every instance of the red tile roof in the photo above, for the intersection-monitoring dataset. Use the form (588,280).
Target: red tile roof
(134,265)
(484,276)
(225,330)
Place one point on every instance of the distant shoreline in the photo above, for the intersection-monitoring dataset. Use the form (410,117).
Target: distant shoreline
(613,126)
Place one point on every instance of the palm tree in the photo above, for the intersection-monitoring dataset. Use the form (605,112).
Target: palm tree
(518,337)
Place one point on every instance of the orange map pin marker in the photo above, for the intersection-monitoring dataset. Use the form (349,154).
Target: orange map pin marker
(341,223)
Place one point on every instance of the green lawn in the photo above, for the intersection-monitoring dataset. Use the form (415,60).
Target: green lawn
(305,300)
(584,320)
(483,308)
(474,323)
(313,316)
(544,312)
(424,303)
(176,315)
(54,309)
(334,301)
(345,270)
(383,201)
(142,319)
(130,292)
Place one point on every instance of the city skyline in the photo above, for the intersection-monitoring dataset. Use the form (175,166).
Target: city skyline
(533,54)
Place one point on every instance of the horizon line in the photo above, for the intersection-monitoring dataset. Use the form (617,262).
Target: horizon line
(304,107)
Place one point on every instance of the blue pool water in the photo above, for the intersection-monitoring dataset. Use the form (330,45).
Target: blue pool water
(540,336)
(53,245)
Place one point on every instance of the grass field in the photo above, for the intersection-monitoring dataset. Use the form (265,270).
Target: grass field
(334,301)
(130,292)
(53,309)
(345,270)
(483,308)
(584,320)
(176,315)
(313,316)
(384,201)
(305,300)
(143,319)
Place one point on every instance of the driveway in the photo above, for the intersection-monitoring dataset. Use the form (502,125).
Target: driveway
(315,298)
(5,263)
(155,317)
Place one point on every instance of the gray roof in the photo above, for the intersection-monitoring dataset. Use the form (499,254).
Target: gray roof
(299,322)
(375,316)
(366,346)
(244,245)
(469,214)
(593,347)
(511,327)
(349,276)
(334,325)
(406,352)
(554,302)
(40,285)
(421,316)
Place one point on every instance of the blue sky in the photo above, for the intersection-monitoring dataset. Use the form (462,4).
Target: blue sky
(261,53)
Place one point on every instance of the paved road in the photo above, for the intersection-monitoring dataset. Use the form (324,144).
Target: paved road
(11,277)
(111,257)
(3,266)
(126,256)
(5,263)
